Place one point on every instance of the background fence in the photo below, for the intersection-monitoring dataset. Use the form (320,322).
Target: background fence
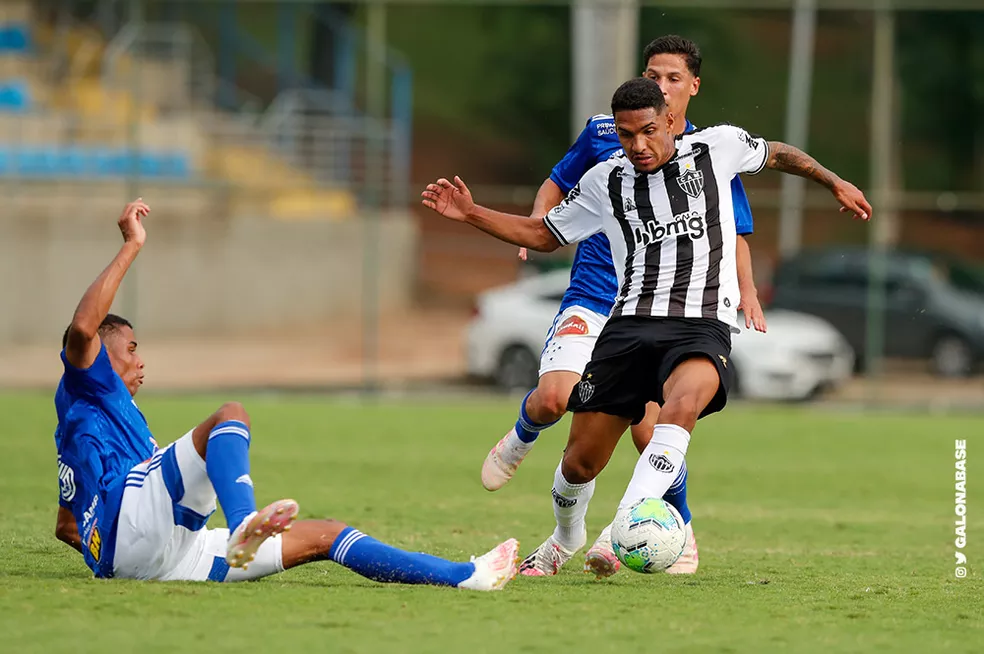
(282,146)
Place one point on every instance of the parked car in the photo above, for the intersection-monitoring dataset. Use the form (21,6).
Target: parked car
(799,355)
(934,306)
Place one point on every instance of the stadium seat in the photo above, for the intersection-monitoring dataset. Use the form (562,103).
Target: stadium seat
(66,162)
(14,96)
(15,38)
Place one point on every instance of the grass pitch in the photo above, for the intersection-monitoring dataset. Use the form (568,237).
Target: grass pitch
(818,532)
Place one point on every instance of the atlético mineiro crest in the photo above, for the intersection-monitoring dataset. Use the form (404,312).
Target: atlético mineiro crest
(692,182)
(585,390)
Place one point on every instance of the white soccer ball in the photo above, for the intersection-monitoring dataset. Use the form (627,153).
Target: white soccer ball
(648,536)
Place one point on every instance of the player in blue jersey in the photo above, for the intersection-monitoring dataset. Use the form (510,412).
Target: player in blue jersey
(674,63)
(136,511)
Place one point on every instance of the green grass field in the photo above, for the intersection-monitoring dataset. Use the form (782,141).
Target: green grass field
(818,531)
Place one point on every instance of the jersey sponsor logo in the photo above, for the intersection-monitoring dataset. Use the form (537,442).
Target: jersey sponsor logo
(95,544)
(661,463)
(689,224)
(574,194)
(90,512)
(606,129)
(747,139)
(573,326)
(562,502)
(692,182)
(66,481)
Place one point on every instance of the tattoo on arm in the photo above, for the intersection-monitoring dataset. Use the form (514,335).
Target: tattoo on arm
(787,159)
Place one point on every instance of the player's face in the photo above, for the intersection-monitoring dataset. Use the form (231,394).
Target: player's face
(676,81)
(646,137)
(121,345)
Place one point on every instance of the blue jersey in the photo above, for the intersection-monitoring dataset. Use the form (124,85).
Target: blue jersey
(101,435)
(594,284)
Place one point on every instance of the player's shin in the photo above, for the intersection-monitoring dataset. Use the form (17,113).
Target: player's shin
(570,502)
(528,429)
(227,466)
(660,464)
(381,562)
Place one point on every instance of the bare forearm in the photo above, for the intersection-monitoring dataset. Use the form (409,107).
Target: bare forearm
(524,231)
(67,530)
(548,196)
(98,298)
(788,159)
(743,259)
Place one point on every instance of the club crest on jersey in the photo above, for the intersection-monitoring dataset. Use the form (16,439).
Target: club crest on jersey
(692,182)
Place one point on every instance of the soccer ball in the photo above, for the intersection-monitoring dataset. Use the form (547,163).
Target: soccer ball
(648,536)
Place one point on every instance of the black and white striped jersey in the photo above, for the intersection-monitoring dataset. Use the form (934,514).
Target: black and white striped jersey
(672,231)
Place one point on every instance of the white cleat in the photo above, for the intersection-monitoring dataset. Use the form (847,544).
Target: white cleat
(546,560)
(495,569)
(256,528)
(600,559)
(687,563)
(502,461)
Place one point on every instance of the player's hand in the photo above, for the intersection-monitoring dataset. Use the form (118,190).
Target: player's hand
(522,254)
(452,201)
(852,200)
(752,309)
(130,222)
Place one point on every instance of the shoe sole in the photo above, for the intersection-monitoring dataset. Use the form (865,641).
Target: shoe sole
(272,520)
(600,566)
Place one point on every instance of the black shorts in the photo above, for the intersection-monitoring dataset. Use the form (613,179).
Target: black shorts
(634,357)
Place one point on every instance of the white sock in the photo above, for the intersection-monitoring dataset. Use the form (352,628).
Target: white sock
(570,507)
(515,449)
(659,464)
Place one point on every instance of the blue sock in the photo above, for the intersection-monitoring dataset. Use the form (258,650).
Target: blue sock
(227,466)
(526,429)
(676,495)
(381,562)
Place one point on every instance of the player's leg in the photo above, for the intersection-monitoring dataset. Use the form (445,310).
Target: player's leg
(330,540)
(592,440)
(688,392)
(222,441)
(600,558)
(566,352)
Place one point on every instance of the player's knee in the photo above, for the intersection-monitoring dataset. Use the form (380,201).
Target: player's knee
(682,409)
(553,402)
(579,468)
(232,411)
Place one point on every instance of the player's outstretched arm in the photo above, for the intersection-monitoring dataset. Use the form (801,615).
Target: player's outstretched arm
(787,159)
(83,342)
(454,201)
(66,530)
(548,196)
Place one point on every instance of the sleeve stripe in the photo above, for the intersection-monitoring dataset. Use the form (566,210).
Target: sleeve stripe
(765,159)
(553,230)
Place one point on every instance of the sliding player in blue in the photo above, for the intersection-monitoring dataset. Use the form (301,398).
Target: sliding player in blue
(674,63)
(136,511)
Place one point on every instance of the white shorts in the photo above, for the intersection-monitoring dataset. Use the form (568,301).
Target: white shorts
(570,340)
(161,530)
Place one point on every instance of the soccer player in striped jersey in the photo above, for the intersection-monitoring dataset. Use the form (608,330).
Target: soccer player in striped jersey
(136,511)
(666,205)
(674,63)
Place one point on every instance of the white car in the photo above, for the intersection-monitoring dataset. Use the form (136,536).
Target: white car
(799,356)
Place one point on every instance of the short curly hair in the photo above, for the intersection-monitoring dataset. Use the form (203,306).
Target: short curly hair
(638,93)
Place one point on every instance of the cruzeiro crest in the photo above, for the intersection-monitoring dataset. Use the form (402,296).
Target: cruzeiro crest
(692,182)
